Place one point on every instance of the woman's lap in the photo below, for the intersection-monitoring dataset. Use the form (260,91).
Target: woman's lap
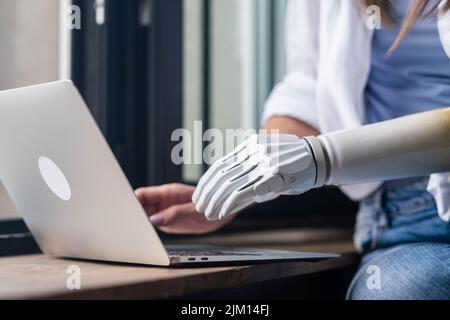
(406,246)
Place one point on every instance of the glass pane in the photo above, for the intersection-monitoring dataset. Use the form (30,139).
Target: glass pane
(246,56)
(193,62)
(29,37)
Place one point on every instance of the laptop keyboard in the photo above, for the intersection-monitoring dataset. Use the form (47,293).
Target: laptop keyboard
(202,253)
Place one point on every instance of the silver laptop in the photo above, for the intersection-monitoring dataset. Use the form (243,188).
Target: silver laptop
(73,195)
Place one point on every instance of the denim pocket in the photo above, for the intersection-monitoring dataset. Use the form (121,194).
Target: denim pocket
(407,200)
(400,212)
(412,216)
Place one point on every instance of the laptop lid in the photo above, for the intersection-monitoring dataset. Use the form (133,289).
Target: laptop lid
(66,182)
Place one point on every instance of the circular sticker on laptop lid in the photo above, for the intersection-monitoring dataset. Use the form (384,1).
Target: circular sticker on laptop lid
(55,178)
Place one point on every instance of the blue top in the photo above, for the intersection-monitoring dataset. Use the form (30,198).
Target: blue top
(415,78)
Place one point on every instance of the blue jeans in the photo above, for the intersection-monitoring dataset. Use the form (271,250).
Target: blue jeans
(405,245)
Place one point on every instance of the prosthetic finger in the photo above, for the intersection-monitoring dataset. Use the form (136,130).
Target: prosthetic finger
(212,211)
(229,161)
(211,187)
(228,187)
(239,199)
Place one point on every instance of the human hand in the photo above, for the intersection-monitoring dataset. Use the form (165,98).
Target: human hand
(170,209)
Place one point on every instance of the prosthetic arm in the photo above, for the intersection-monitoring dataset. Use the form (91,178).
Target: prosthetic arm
(264,167)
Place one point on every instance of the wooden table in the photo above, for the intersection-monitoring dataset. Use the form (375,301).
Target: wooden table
(43,277)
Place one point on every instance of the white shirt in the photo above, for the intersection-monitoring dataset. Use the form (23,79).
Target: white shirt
(328,55)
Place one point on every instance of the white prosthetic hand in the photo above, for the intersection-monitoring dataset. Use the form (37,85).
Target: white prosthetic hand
(259,170)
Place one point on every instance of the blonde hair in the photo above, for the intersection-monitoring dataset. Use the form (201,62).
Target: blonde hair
(415,12)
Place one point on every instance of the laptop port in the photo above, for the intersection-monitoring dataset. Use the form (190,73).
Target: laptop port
(204,259)
(191,259)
